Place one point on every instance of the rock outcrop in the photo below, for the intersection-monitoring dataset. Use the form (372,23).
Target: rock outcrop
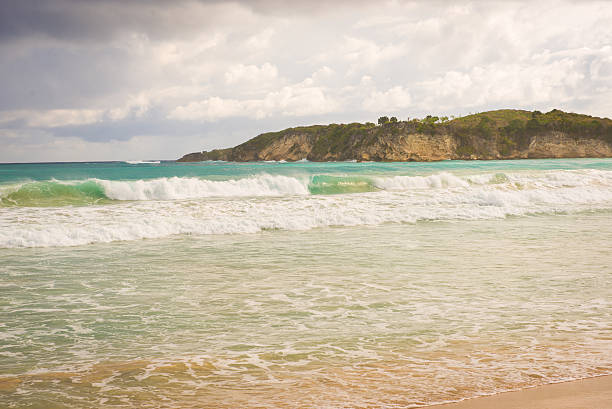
(503,134)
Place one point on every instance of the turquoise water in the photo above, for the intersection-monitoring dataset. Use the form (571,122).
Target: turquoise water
(301,284)
(26,172)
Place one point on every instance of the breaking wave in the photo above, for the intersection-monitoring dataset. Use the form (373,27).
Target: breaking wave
(143,162)
(62,193)
(170,206)
(192,188)
(99,191)
(440,180)
(52,193)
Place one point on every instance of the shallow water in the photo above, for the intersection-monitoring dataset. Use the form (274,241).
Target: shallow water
(437,284)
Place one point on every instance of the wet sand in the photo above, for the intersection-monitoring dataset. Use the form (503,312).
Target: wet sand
(591,393)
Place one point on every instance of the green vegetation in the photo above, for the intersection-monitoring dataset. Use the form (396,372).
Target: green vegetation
(505,129)
(515,122)
(339,138)
(514,129)
(383,120)
(484,135)
(264,139)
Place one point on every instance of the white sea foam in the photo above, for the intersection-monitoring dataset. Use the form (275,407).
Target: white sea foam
(142,162)
(420,182)
(6,190)
(190,188)
(268,202)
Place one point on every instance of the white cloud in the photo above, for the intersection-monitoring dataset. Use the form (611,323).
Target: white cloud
(323,74)
(362,52)
(135,106)
(547,79)
(42,146)
(300,99)
(379,21)
(53,118)
(241,73)
(209,109)
(176,52)
(601,69)
(388,101)
(260,40)
(451,84)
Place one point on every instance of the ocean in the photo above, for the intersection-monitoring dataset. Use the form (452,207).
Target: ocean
(327,285)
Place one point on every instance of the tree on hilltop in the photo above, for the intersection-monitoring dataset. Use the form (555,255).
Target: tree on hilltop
(383,120)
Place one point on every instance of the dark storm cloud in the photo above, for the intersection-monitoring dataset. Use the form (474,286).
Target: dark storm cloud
(78,20)
(82,20)
(62,77)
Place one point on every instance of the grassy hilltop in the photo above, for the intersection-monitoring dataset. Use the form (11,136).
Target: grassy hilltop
(500,134)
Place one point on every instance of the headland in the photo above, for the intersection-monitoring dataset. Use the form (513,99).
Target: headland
(500,134)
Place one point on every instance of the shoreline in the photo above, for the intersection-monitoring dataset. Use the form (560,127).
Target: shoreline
(587,393)
(304,160)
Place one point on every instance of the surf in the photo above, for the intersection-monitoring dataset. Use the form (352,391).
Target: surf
(142,162)
(52,193)
(97,191)
(419,200)
(104,191)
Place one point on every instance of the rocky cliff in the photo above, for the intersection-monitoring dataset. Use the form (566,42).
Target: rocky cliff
(502,134)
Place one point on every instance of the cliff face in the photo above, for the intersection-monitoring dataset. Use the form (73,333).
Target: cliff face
(560,145)
(505,134)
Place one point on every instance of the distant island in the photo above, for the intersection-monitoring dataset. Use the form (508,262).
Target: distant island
(500,134)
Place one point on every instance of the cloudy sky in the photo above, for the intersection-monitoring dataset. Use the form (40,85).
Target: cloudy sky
(119,80)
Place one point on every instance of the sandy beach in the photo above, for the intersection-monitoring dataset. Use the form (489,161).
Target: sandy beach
(591,393)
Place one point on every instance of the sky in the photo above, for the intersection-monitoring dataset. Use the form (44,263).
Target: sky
(128,80)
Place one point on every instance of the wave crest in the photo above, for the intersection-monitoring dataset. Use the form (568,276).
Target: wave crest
(100,191)
(96,191)
(439,180)
(408,199)
(142,162)
(52,193)
(191,188)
